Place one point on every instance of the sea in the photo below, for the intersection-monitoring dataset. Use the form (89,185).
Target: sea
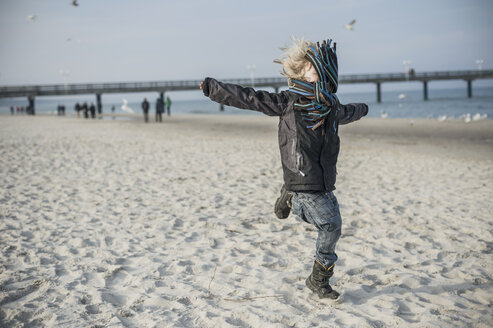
(452,103)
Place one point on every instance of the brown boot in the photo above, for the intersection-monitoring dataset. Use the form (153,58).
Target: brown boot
(318,281)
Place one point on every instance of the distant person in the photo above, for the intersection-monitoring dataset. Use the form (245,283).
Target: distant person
(92,109)
(100,110)
(59,110)
(145,109)
(11,110)
(113,111)
(310,116)
(17,110)
(22,109)
(168,105)
(63,110)
(159,109)
(85,108)
(77,109)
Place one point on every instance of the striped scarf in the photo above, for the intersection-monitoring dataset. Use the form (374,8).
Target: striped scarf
(319,97)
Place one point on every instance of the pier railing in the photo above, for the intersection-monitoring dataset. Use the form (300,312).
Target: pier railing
(31,91)
(419,76)
(274,82)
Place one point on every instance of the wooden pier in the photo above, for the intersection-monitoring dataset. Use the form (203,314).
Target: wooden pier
(32,91)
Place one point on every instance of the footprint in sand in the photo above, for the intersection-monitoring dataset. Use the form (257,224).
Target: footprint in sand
(60,270)
(185,301)
(185,263)
(21,292)
(193,237)
(178,224)
(114,299)
(108,241)
(112,280)
(92,309)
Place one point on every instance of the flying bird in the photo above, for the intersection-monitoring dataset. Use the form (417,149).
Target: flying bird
(125,106)
(31,18)
(402,96)
(350,26)
(74,3)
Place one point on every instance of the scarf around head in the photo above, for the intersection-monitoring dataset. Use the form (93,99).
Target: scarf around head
(318,97)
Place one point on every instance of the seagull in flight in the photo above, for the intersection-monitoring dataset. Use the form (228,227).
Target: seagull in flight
(31,18)
(350,26)
(74,3)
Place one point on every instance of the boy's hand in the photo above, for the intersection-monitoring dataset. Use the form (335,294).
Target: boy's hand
(201,85)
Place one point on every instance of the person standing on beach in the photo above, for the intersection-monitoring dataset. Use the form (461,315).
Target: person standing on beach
(92,109)
(159,109)
(145,108)
(77,109)
(11,110)
(100,110)
(309,118)
(85,109)
(168,105)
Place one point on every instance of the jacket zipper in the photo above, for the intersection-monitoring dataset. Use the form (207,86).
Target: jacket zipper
(298,157)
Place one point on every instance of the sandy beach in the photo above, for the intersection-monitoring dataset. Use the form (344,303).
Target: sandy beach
(124,224)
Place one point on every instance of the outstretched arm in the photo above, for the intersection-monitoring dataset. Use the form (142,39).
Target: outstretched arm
(272,104)
(351,112)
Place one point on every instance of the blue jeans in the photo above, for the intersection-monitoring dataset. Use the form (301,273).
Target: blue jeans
(322,210)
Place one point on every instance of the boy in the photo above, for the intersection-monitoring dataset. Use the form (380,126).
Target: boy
(309,117)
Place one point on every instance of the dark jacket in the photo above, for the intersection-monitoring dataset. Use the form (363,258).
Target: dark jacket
(308,157)
(159,105)
(145,106)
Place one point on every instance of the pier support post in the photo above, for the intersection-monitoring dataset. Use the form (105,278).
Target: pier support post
(469,88)
(379,93)
(276,89)
(425,90)
(99,104)
(32,111)
(161,97)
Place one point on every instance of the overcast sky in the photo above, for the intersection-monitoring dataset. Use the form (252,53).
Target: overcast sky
(147,40)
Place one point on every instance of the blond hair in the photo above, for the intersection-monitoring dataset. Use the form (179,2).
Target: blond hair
(293,61)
